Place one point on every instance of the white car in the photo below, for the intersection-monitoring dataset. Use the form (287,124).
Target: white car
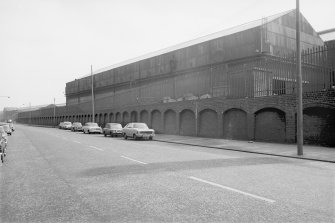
(138,130)
(67,125)
(92,127)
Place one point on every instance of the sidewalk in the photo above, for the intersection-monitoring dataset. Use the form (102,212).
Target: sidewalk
(319,153)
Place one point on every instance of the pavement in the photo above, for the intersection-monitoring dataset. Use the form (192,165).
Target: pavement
(310,152)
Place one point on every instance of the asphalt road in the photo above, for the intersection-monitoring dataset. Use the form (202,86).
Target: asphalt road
(53,175)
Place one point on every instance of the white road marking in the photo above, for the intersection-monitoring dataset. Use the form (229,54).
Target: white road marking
(133,160)
(76,141)
(232,189)
(93,147)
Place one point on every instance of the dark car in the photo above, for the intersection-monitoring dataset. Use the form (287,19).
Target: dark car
(77,126)
(113,129)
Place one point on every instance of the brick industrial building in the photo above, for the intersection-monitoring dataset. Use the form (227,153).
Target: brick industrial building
(237,84)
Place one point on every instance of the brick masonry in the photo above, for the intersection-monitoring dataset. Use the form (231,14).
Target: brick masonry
(270,118)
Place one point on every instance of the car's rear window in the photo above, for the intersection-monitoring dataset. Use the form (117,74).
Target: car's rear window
(140,125)
(92,124)
(116,126)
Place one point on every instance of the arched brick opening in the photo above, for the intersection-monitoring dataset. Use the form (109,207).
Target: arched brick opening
(319,126)
(208,123)
(125,118)
(270,125)
(235,124)
(156,121)
(105,119)
(118,118)
(144,116)
(111,117)
(133,116)
(100,120)
(187,123)
(170,126)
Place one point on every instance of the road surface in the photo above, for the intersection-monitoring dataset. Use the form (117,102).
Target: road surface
(53,175)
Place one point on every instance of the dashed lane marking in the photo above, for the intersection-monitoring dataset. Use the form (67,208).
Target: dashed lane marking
(133,160)
(232,189)
(93,147)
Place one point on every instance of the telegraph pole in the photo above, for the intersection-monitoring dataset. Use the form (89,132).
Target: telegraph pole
(92,81)
(29,113)
(54,111)
(300,137)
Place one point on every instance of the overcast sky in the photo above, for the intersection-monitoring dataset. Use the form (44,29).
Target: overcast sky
(46,43)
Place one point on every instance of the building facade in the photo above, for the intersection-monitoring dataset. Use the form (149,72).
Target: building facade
(234,84)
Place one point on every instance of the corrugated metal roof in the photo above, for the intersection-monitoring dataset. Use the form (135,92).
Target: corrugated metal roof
(202,39)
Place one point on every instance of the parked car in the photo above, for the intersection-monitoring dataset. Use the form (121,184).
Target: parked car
(138,130)
(3,143)
(77,126)
(113,129)
(6,127)
(92,127)
(67,125)
(3,134)
(60,126)
(11,125)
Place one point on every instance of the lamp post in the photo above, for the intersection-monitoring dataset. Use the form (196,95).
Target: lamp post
(300,137)
(92,81)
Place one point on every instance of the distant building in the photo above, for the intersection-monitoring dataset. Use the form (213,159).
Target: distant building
(9,114)
(236,84)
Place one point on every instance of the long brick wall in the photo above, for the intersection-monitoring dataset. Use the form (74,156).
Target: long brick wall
(271,118)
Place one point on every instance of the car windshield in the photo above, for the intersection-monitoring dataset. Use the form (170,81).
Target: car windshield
(67,123)
(92,124)
(140,125)
(115,126)
(77,124)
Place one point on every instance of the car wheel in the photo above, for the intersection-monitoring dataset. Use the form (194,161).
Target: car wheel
(150,138)
(105,134)
(135,137)
(125,136)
